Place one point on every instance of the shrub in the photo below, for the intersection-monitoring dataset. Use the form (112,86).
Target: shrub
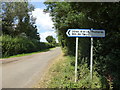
(63,76)
(18,45)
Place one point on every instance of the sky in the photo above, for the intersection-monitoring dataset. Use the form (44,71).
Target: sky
(43,21)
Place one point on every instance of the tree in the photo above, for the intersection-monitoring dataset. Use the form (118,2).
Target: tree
(66,15)
(50,39)
(17,20)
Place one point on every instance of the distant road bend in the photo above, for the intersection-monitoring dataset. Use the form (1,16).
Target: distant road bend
(23,72)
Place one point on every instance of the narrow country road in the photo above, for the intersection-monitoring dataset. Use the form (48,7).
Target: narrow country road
(23,72)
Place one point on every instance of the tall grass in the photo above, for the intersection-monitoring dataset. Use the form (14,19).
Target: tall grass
(18,45)
(63,76)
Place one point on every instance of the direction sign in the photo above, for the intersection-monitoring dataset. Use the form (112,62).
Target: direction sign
(85,33)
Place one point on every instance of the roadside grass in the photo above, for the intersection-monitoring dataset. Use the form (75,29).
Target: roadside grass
(25,54)
(61,75)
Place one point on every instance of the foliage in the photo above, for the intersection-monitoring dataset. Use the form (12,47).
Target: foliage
(51,40)
(19,29)
(17,20)
(99,15)
(63,76)
(18,45)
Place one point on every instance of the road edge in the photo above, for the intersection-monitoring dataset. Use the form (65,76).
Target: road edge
(46,72)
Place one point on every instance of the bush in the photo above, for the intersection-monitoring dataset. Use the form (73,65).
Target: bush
(44,45)
(18,45)
(63,76)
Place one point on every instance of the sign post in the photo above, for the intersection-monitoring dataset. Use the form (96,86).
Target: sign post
(76,59)
(91,58)
(85,33)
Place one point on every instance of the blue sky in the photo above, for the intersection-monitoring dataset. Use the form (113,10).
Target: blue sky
(38,4)
(43,21)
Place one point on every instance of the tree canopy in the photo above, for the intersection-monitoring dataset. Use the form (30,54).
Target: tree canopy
(49,39)
(97,15)
(17,20)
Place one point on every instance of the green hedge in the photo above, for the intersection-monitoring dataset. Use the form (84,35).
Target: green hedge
(18,45)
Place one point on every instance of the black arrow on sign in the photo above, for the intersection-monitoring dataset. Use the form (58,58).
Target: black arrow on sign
(69,32)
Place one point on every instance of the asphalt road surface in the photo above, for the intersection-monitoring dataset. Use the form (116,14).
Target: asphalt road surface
(23,72)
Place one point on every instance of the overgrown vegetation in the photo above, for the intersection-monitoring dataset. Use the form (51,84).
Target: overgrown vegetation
(99,15)
(19,32)
(19,45)
(62,76)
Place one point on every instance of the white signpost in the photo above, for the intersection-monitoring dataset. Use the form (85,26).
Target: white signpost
(85,33)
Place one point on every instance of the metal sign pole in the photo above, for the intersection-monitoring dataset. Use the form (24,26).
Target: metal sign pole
(91,58)
(76,59)
(85,33)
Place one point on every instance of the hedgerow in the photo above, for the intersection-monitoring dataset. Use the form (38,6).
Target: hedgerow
(18,45)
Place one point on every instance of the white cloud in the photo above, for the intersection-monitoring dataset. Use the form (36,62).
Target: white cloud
(44,24)
(43,20)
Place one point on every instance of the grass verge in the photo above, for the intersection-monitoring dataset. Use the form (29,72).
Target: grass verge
(61,75)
